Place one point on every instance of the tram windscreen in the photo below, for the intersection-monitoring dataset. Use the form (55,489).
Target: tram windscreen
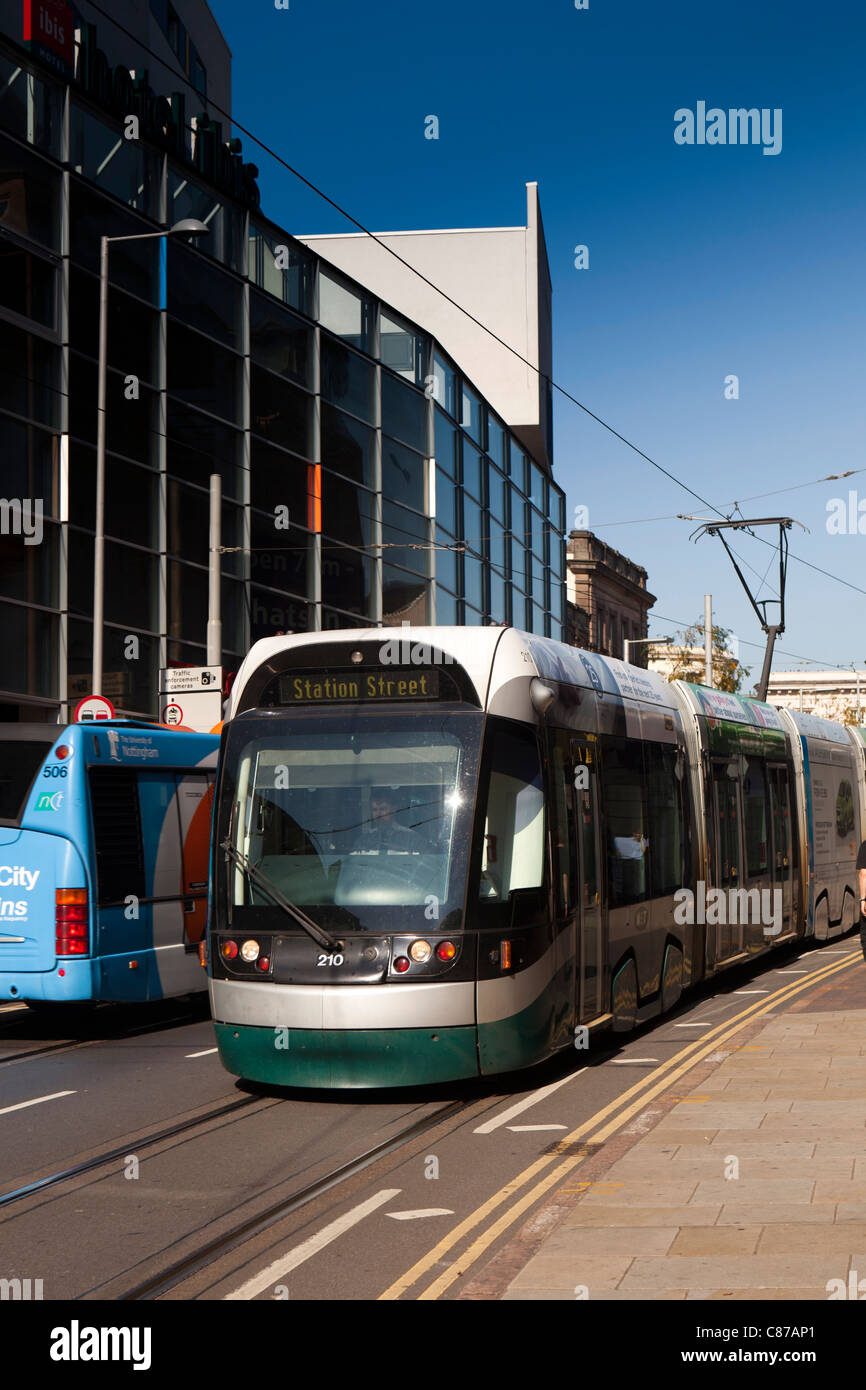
(359,814)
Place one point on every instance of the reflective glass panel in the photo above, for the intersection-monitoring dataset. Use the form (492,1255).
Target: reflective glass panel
(127,169)
(402,349)
(470,417)
(29,195)
(347,379)
(446,440)
(30,108)
(404,412)
(444,385)
(346,445)
(344,312)
(402,474)
(279,341)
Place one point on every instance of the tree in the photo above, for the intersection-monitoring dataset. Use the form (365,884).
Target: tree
(847,714)
(687,655)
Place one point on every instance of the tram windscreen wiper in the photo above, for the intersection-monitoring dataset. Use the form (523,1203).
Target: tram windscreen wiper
(260,878)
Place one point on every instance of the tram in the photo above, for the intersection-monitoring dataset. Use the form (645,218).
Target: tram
(442,852)
(104,841)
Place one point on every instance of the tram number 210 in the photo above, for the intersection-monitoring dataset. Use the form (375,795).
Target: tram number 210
(330,960)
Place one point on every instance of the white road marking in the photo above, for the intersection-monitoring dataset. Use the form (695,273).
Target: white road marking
(793,972)
(283,1266)
(751,991)
(417,1215)
(525,1129)
(522,1105)
(693,1025)
(40,1100)
(633,1061)
(208,1052)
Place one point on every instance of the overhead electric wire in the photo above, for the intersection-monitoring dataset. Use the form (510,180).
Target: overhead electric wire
(759,646)
(756,496)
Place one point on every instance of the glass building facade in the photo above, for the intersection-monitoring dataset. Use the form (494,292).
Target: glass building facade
(364,480)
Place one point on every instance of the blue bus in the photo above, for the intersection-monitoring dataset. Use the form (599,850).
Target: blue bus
(104,841)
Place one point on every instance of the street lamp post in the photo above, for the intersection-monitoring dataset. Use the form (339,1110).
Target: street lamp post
(629,642)
(188,226)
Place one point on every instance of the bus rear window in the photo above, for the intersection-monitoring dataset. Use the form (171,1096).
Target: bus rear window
(19,765)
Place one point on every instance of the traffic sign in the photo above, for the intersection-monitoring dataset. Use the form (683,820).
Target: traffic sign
(183,680)
(172,714)
(93,707)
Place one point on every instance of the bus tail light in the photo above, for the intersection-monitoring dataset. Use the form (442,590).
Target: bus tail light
(505,955)
(71,922)
(202,953)
(446,950)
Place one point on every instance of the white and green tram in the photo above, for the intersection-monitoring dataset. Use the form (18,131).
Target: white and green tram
(440,851)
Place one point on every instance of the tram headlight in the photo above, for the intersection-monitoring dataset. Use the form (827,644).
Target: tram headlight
(228,950)
(420,951)
(446,950)
(250,951)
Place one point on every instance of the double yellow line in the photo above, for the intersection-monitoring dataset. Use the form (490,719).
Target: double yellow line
(645,1090)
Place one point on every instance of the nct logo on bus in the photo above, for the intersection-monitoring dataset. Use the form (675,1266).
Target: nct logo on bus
(721,907)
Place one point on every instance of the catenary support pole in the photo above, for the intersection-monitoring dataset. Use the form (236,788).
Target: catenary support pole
(214,618)
(99,529)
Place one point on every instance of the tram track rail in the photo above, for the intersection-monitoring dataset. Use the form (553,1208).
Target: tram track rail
(176,1274)
(119,1152)
(71,1044)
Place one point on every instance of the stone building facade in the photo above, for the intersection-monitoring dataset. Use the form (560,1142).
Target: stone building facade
(607,598)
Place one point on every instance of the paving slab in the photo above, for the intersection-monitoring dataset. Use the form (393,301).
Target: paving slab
(564,1271)
(785,1238)
(715,1240)
(765,1214)
(610,1217)
(731,1271)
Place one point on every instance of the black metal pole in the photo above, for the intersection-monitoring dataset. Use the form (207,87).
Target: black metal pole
(768,660)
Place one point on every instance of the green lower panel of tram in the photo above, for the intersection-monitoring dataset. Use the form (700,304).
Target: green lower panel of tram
(523,1039)
(352,1058)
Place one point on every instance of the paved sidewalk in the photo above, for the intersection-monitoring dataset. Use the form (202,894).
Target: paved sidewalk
(752,1186)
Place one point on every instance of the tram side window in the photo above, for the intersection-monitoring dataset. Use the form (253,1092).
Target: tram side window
(513,846)
(755,818)
(564,843)
(627,832)
(666,825)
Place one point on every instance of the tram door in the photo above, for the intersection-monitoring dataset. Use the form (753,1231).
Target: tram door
(783,848)
(591,953)
(724,938)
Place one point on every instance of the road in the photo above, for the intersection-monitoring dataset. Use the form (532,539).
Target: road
(133,1166)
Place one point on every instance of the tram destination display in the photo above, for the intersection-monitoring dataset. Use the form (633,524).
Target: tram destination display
(317,688)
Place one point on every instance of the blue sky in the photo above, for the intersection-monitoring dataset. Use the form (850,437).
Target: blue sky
(705,261)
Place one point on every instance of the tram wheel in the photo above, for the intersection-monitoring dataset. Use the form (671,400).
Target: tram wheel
(624,998)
